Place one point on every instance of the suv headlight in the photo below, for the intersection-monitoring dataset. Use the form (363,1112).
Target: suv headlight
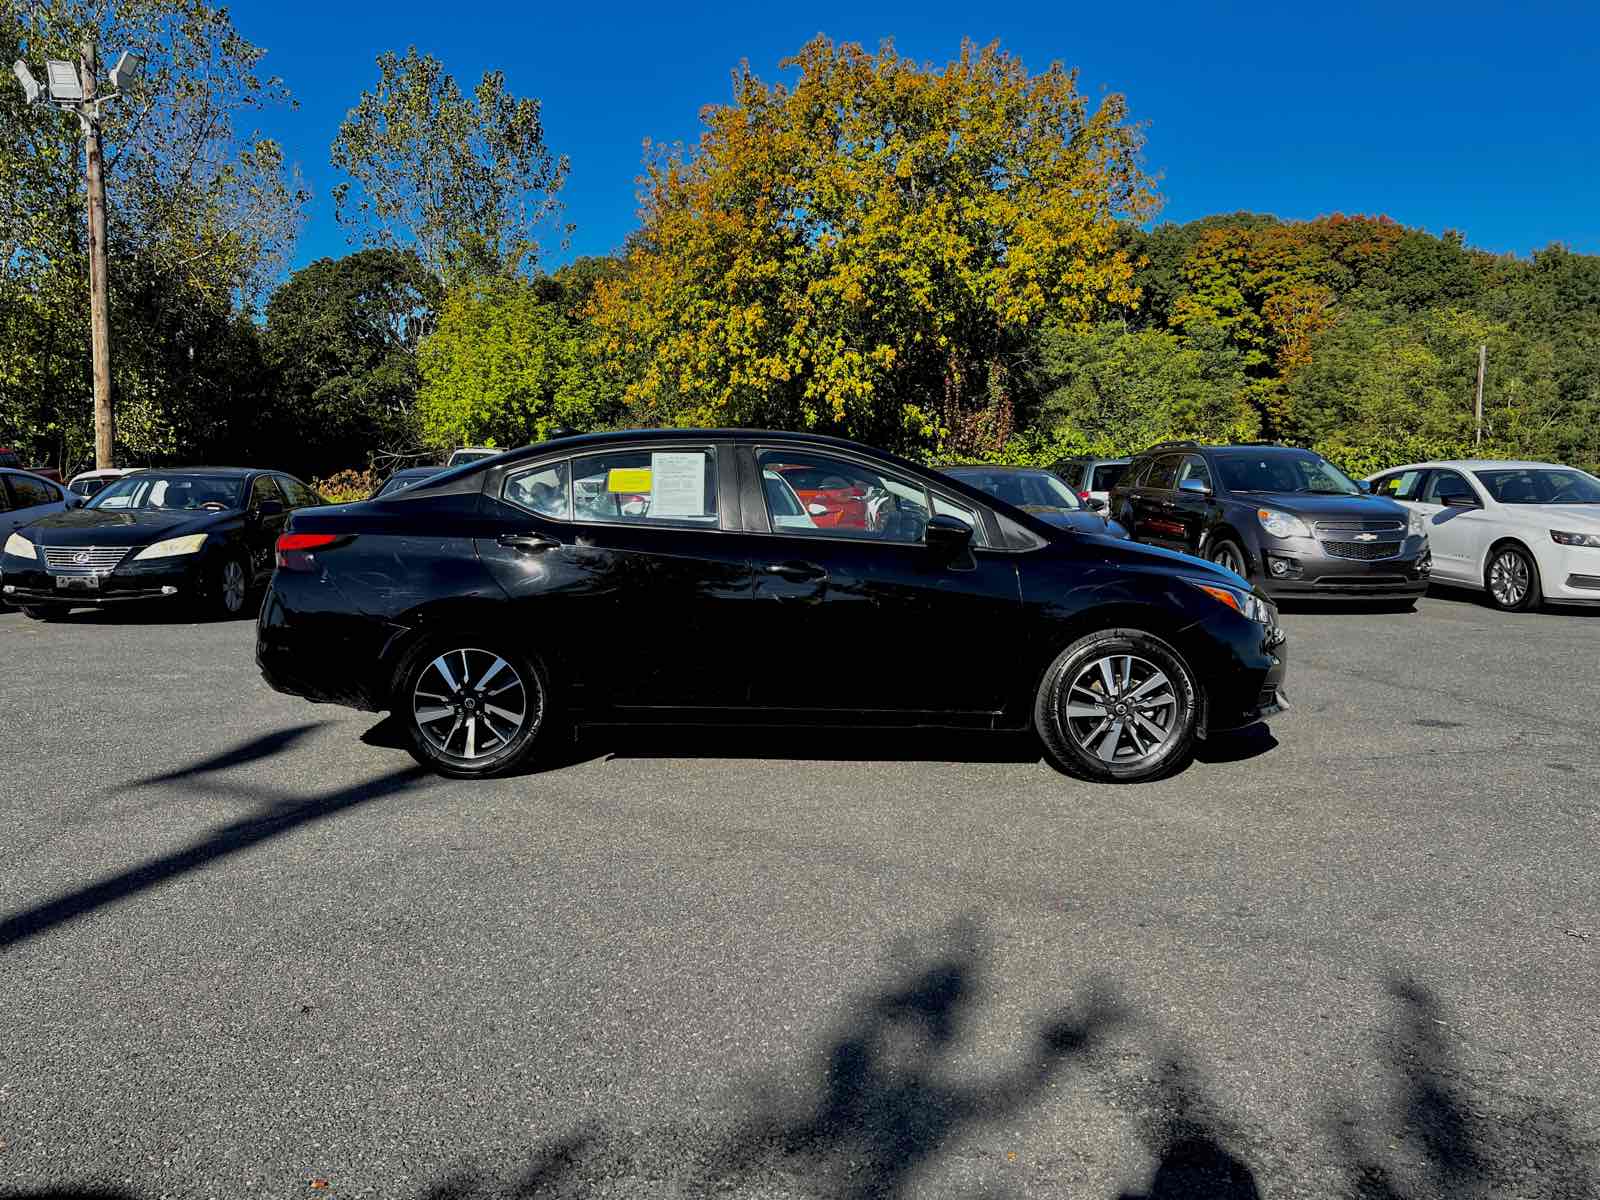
(1246,604)
(1282,524)
(1557,536)
(173,547)
(20,547)
(1418,525)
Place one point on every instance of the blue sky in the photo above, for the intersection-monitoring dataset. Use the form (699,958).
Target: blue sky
(1468,116)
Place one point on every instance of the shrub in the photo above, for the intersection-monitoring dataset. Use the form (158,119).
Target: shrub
(344,486)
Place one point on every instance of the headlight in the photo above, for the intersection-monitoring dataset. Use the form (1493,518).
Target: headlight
(172,547)
(1419,522)
(1556,536)
(20,546)
(1246,604)
(1281,524)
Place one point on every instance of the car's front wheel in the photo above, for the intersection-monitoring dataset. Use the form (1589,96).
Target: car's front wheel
(1226,554)
(1118,706)
(1512,579)
(472,708)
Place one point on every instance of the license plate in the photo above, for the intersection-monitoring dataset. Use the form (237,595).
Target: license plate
(80,583)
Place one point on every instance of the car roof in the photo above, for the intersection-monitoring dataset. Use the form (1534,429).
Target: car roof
(408,471)
(239,471)
(1480,464)
(994,467)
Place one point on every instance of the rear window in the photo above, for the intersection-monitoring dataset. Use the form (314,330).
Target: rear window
(1070,473)
(1106,476)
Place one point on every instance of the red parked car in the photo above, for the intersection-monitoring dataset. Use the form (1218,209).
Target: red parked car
(833,500)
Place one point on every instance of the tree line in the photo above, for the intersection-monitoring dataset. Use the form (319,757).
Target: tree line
(956,262)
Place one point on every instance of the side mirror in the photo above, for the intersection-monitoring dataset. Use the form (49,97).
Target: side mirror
(817,510)
(947,536)
(1095,504)
(1365,485)
(1195,487)
(269,508)
(1459,501)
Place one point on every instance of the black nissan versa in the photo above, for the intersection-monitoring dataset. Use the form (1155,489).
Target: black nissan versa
(1285,519)
(200,536)
(672,575)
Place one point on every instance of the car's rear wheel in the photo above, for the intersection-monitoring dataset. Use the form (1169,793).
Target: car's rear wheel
(1512,579)
(1227,554)
(472,708)
(1118,706)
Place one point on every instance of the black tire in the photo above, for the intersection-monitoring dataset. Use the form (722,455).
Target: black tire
(1511,579)
(1225,552)
(45,612)
(227,591)
(1077,743)
(442,718)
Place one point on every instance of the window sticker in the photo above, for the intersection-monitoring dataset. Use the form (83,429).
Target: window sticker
(628,480)
(680,484)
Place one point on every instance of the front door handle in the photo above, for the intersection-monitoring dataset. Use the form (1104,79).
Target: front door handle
(796,572)
(528,542)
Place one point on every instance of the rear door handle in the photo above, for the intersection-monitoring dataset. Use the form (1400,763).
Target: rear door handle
(529,542)
(797,572)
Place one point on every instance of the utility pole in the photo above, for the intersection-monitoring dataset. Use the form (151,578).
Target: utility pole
(99,310)
(1483,355)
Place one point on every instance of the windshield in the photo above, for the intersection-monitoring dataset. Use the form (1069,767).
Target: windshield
(400,480)
(461,457)
(1528,486)
(1025,489)
(172,493)
(1284,473)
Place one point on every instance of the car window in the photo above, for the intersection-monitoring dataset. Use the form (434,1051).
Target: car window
(5,495)
(296,493)
(1164,474)
(845,499)
(1279,472)
(949,508)
(542,489)
(27,492)
(1442,485)
(656,487)
(1070,473)
(264,489)
(1106,476)
(1194,467)
(1398,485)
(1522,485)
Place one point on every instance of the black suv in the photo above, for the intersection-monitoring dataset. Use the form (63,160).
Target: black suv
(1282,517)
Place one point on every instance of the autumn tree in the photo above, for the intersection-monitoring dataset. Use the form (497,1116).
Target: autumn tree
(864,251)
(467,181)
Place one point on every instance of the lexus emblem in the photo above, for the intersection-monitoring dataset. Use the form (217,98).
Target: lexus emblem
(1366,537)
(81,558)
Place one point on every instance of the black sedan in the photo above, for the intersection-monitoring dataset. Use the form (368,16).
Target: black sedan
(203,535)
(1040,493)
(644,576)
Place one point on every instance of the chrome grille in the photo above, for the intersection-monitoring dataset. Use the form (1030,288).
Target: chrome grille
(84,560)
(1360,525)
(1362,551)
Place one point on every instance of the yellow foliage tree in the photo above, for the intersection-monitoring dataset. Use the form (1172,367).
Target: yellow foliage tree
(863,252)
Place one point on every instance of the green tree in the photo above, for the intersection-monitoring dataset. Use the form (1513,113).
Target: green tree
(468,182)
(341,342)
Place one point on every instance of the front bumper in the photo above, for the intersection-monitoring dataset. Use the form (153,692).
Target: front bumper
(26,582)
(1324,568)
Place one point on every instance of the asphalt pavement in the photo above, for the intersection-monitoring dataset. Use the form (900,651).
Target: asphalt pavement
(247,949)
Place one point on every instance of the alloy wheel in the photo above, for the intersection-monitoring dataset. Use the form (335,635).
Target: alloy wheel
(1226,556)
(1509,578)
(1122,709)
(471,704)
(233,588)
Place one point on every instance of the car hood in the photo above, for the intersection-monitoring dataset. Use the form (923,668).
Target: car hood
(1584,518)
(102,527)
(1303,504)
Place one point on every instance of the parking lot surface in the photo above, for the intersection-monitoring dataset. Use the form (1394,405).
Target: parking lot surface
(247,949)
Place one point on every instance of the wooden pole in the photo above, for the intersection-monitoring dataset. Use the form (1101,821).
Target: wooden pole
(99,308)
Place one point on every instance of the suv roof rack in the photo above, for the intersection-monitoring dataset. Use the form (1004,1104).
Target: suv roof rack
(1186,443)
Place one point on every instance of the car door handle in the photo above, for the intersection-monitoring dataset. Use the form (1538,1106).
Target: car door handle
(796,572)
(529,542)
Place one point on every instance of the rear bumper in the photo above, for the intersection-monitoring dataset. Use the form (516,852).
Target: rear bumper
(320,655)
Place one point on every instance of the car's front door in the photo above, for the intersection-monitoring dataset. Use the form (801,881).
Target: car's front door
(629,571)
(1458,528)
(872,624)
(1154,519)
(1191,505)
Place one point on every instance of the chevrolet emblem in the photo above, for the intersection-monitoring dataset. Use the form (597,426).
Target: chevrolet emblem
(1366,537)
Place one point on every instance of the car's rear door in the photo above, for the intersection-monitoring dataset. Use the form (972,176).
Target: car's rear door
(867,625)
(629,571)
(1153,515)
(1458,533)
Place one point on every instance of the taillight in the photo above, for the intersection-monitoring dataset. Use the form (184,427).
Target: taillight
(294,549)
(1083,496)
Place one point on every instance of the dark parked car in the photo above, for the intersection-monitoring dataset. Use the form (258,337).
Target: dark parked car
(1040,493)
(643,576)
(404,478)
(26,497)
(1283,518)
(203,535)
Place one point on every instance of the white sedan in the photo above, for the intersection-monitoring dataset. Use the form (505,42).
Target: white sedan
(1520,531)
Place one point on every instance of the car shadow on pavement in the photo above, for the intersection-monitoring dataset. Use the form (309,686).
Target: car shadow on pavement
(1471,598)
(891,1101)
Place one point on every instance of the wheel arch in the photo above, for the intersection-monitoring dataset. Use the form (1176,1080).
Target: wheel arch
(1225,531)
(484,619)
(1498,544)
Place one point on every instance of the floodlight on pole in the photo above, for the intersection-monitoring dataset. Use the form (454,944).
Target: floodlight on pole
(126,72)
(65,86)
(30,85)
